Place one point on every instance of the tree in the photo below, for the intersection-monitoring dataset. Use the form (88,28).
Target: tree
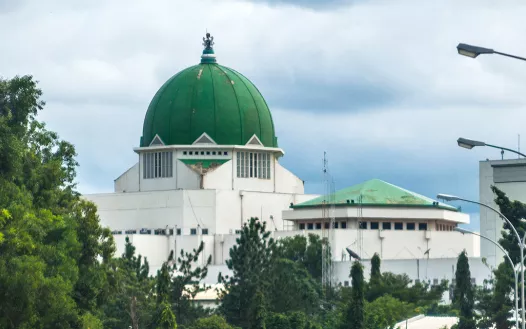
(375,268)
(212,322)
(385,312)
(48,236)
(463,294)
(304,251)
(355,310)
(251,261)
(258,311)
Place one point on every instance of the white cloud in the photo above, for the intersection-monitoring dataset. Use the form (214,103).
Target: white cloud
(101,62)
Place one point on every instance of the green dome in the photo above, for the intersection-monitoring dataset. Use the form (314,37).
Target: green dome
(212,99)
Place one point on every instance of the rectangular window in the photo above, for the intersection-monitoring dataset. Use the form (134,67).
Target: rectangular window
(344,225)
(193,231)
(386,226)
(252,164)
(422,226)
(363,225)
(268,166)
(410,226)
(335,225)
(204,231)
(326,225)
(310,226)
(178,231)
(399,226)
(302,226)
(157,165)
(374,225)
(171,231)
(318,226)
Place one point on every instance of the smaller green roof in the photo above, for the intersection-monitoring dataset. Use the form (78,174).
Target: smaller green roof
(205,164)
(376,193)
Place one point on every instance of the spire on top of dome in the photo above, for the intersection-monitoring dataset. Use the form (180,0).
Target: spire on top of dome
(208,53)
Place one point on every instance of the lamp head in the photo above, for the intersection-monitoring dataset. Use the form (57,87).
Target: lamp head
(447,197)
(468,143)
(472,51)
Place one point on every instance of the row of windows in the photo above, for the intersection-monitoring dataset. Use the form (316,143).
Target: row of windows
(253,164)
(398,226)
(158,164)
(222,153)
(435,282)
(317,226)
(161,231)
(445,227)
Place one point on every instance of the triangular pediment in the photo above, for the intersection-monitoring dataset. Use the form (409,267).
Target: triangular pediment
(254,140)
(157,141)
(204,139)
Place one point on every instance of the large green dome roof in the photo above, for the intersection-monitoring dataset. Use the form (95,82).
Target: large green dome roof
(212,99)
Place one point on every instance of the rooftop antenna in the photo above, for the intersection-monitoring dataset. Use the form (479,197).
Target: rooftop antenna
(519,146)
(328,208)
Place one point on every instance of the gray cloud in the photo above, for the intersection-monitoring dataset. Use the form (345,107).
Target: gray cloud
(376,84)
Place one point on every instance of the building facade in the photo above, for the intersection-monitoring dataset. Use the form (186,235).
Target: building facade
(208,160)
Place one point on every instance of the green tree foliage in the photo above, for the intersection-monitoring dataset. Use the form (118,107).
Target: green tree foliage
(304,251)
(49,238)
(258,311)
(354,318)
(166,317)
(251,261)
(375,268)
(212,322)
(463,295)
(386,311)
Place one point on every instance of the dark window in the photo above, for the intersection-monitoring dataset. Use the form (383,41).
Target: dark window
(202,152)
(318,226)
(386,226)
(238,231)
(344,225)
(226,153)
(190,152)
(399,226)
(184,152)
(207,152)
(214,153)
(204,231)
(362,225)
(374,225)
(410,226)
(178,231)
(193,231)
(422,226)
(310,226)
(171,231)
(335,225)
(327,225)
(302,226)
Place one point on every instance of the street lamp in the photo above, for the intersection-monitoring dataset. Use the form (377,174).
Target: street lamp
(474,51)
(469,144)
(463,231)
(448,197)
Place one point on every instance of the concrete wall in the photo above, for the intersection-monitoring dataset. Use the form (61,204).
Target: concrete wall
(129,181)
(490,223)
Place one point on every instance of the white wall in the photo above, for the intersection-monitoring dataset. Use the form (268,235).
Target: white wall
(287,182)
(219,178)
(182,208)
(490,223)
(186,177)
(129,181)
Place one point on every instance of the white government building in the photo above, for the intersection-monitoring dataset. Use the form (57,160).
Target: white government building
(208,160)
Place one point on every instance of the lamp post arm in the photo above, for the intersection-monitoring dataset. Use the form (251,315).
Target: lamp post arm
(516,277)
(507,149)
(508,55)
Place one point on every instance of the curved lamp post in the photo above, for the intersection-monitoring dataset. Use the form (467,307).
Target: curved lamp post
(463,231)
(469,144)
(474,51)
(447,197)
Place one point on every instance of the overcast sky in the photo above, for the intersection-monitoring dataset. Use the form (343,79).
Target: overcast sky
(378,85)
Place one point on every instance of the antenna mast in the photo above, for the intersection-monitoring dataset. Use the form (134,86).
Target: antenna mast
(328,207)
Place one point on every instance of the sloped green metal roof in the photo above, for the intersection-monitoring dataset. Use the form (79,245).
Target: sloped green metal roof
(208,98)
(376,192)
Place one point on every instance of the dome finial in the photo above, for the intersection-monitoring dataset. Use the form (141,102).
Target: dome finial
(208,53)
